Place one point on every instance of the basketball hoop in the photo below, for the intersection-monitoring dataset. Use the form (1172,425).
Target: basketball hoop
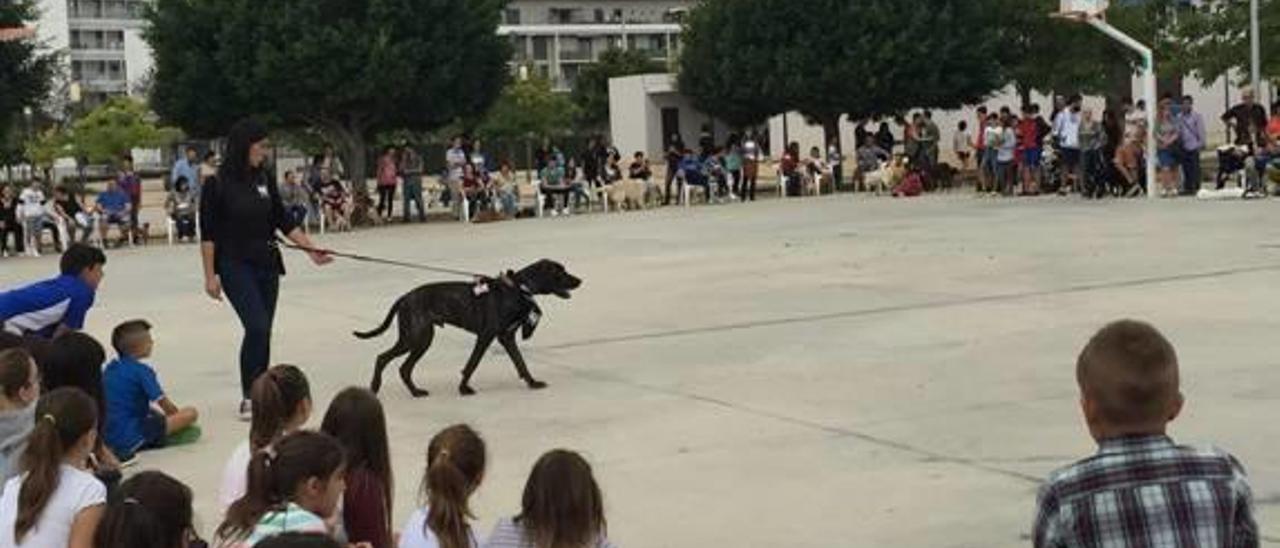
(1080,11)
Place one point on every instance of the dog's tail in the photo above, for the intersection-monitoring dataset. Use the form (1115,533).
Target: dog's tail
(391,314)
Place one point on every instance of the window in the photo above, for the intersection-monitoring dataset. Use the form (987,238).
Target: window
(511,16)
(541,47)
(599,15)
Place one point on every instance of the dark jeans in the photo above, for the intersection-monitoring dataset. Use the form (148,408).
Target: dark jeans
(13,228)
(186,225)
(413,195)
(386,199)
(252,291)
(1190,171)
(549,195)
(672,169)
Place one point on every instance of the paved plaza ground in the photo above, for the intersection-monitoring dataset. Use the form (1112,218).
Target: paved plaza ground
(823,372)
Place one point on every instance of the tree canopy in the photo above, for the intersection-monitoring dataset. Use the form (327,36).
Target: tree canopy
(529,108)
(746,60)
(350,68)
(25,73)
(591,90)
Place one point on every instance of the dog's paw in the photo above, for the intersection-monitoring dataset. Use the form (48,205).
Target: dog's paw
(536,385)
(419,393)
(466,390)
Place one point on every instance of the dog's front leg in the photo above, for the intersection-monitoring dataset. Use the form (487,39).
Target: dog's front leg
(508,341)
(482,344)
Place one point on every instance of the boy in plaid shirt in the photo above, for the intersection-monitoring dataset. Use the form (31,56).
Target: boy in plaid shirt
(1141,489)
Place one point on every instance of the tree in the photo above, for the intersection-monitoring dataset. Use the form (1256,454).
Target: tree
(1213,40)
(350,68)
(25,73)
(116,127)
(528,109)
(744,60)
(591,90)
(1052,55)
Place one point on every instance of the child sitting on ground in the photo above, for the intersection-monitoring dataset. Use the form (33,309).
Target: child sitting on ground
(20,384)
(133,395)
(562,506)
(1141,489)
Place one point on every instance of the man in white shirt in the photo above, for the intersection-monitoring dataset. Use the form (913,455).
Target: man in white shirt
(1066,131)
(35,218)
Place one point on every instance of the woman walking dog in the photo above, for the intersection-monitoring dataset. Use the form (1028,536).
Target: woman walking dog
(240,213)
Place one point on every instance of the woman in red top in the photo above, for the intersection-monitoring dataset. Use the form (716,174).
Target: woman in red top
(1028,151)
(356,420)
(387,182)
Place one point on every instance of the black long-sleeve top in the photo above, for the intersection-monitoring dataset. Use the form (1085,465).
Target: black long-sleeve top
(241,218)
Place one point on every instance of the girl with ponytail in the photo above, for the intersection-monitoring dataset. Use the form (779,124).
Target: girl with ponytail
(281,404)
(150,510)
(56,501)
(455,468)
(294,486)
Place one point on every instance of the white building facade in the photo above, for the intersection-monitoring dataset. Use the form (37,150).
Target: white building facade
(554,39)
(105,55)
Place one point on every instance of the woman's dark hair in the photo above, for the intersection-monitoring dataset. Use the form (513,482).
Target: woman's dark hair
(74,360)
(150,510)
(356,420)
(562,504)
(63,417)
(455,466)
(299,540)
(276,395)
(235,166)
(275,474)
(15,371)
(209,155)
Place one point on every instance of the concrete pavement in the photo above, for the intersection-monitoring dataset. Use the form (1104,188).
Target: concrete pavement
(805,373)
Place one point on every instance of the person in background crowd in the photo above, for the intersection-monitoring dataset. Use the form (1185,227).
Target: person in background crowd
(1167,147)
(454,159)
(911,138)
(980,147)
(835,162)
(411,170)
(129,183)
(209,167)
(456,462)
(816,168)
(562,506)
(150,510)
(295,197)
(860,134)
(503,187)
(1066,131)
(1128,163)
(187,166)
(1028,151)
(675,153)
(36,218)
(884,137)
(930,135)
(751,157)
(1091,142)
(73,214)
(387,179)
(10,228)
(962,144)
(1191,133)
(993,136)
(182,206)
(1249,121)
(56,501)
(555,183)
(355,418)
(733,166)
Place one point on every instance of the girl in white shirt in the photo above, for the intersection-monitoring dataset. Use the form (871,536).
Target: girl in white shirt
(562,507)
(281,400)
(56,501)
(455,466)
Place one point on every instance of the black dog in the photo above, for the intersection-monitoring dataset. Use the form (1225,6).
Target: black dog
(492,309)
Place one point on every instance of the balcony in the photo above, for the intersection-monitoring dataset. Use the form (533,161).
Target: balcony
(575,55)
(105,9)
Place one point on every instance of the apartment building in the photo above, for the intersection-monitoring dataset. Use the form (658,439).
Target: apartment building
(105,54)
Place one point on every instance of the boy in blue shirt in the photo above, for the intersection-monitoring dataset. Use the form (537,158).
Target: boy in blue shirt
(51,307)
(139,415)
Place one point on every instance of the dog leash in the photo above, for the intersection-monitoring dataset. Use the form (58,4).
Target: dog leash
(377,260)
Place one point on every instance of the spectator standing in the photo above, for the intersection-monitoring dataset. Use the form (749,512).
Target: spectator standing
(1091,143)
(1191,133)
(454,159)
(208,167)
(884,137)
(131,185)
(1066,131)
(1006,156)
(993,136)
(1140,488)
(980,146)
(962,144)
(1028,150)
(187,166)
(388,173)
(733,166)
(930,136)
(411,169)
(675,153)
(1168,147)
(751,157)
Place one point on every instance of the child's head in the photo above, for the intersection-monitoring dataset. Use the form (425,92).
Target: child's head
(281,403)
(150,510)
(963,125)
(356,420)
(304,468)
(182,184)
(74,360)
(65,430)
(299,540)
(132,339)
(562,503)
(455,467)
(1128,377)
(84,261)
(19,377)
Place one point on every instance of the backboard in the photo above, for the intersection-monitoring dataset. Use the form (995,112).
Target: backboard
(1082,9)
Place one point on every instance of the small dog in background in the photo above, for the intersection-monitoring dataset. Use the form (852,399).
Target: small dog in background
(887,177)
(629,194)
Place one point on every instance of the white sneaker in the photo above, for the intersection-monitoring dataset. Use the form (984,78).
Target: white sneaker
(245,411)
